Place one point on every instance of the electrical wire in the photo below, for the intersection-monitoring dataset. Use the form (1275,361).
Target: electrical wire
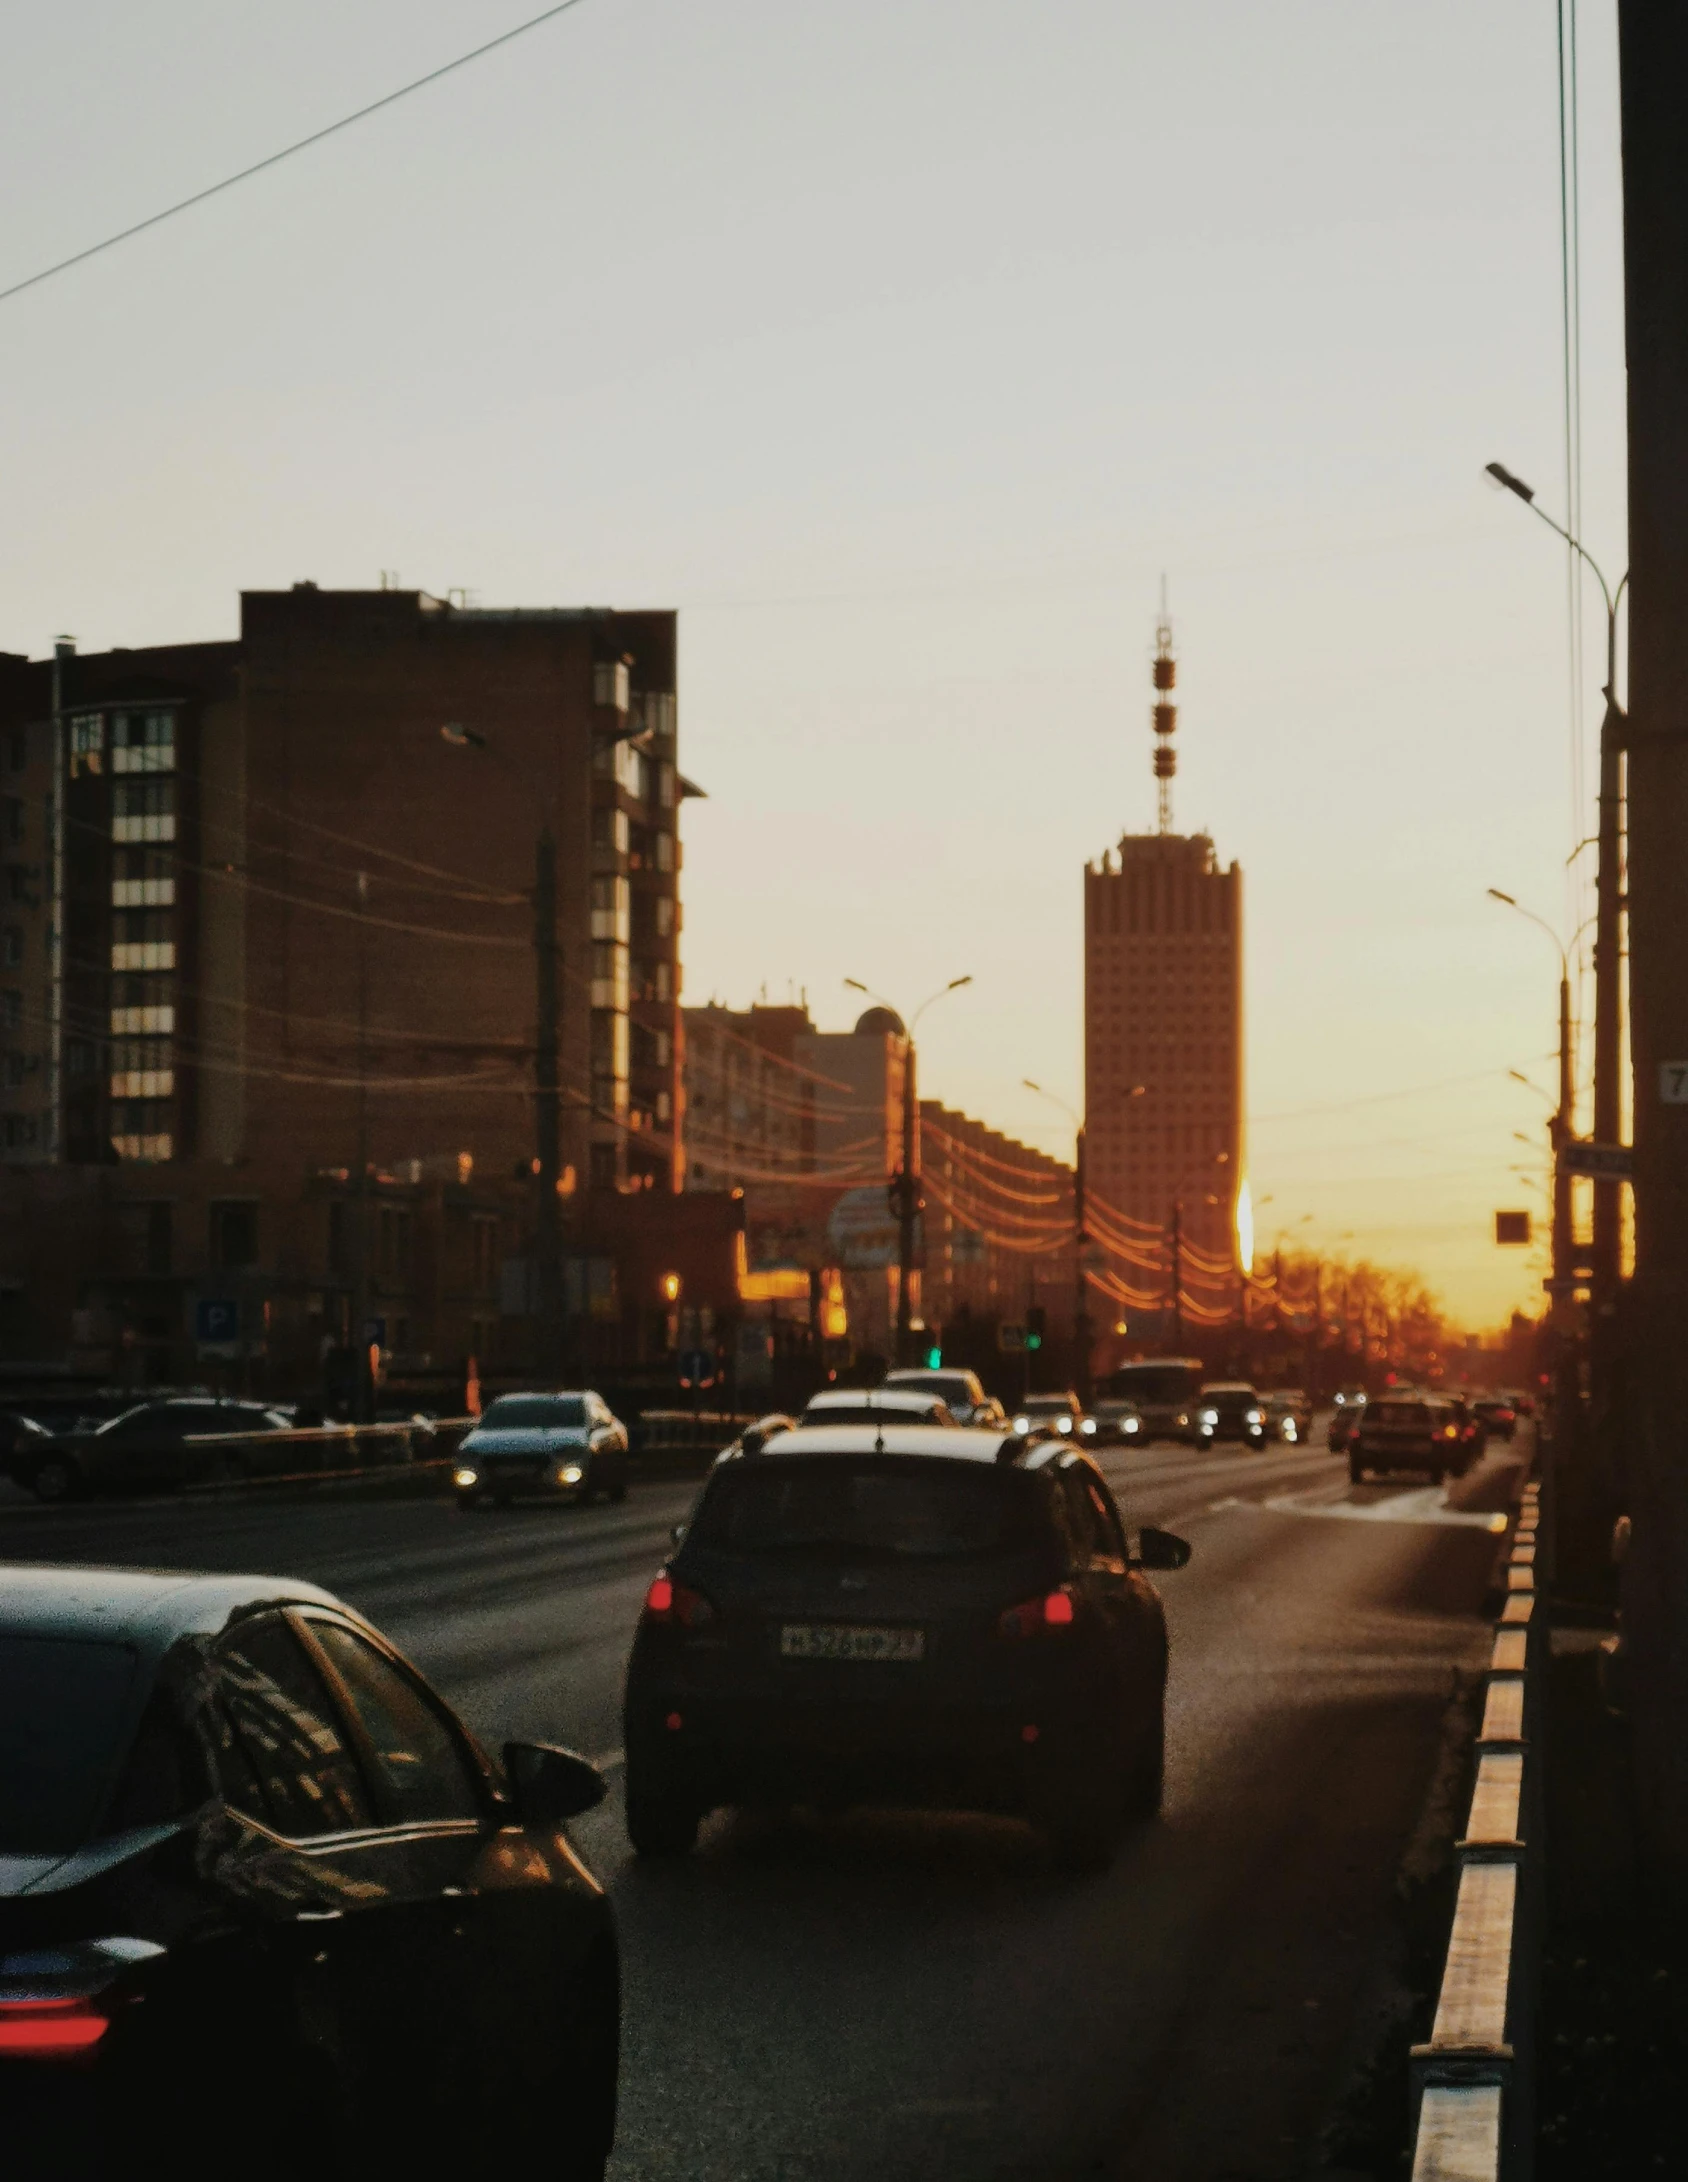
(274,159)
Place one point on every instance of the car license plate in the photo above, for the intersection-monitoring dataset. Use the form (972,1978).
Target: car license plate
(829,1640)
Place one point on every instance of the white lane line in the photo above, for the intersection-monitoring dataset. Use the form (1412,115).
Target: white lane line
(1423,1505)
(1216,1507)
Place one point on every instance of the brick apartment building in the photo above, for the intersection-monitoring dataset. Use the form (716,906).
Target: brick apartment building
(267,921)
(808,1124)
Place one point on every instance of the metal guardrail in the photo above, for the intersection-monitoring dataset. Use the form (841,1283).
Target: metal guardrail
(1472,2081)
(396,1446)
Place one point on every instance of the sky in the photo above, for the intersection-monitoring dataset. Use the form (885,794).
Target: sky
(902,350)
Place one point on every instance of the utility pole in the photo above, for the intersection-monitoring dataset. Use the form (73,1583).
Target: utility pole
(64,649)
(1081,1293)
(547,1119)
(906,1202)
(1176,1268)
(1653,92)
(363,1383)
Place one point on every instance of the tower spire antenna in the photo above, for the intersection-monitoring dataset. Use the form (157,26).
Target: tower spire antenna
(1165,713)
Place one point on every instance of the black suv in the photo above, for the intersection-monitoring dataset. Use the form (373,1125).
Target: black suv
(910,1616)
(260,1889)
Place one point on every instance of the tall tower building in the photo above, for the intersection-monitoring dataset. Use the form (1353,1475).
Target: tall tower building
(1163,1003)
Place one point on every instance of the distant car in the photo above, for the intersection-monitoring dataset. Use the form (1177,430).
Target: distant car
(1350,1397)
(1473,1431)
(1062,1413)
(1111,1418)
(260,1887)
(1160,1390)
(961,1392)
(553,1446)
(1289,1416)
(952,1619)
(876,1405)
(1522,1400)
(1344,1423)
(154,1446)
(1230,1410)
(1409,1432)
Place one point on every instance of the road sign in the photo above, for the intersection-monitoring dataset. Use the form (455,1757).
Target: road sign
(1011,1339)
(1610,1162)
(216,1320)
(1512,1227)
(1673,1083)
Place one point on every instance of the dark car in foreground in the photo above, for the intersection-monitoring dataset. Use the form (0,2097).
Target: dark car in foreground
(547,1446)
(1423,1432)
(157,1446)
(953,1619)
(266,1905)
(1230,1410)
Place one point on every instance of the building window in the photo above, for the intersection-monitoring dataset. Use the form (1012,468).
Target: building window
(665,852)
(609,977)
(612,908)
(392,1245)
(610,832)
(664,916)
(234,1236)
(18,885)
(87,744)
(144,810)
(142,1068)
(17,750)
(11,1010)
(339,1249)
(11,947)
(664,983)
(143,939)
(143,742)
(16,1069)
(140,1130)
(14,819)
(20,1132)
(142,1007)
(142,879)
(483,1235)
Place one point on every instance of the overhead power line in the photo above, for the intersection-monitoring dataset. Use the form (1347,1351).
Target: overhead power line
(274,159)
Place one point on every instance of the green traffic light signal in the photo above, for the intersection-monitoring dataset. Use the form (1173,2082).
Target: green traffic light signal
(1034,1341)
(934,1357)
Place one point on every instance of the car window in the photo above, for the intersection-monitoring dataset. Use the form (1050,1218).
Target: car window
(889,1507)
(1107,1515)
(287,1753)
(1084,1519)
(419,1767)
(163,1776)
(62,1707)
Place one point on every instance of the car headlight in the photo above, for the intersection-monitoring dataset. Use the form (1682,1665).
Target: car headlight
(1022,1424)
(1184,1421)
(570,1474)
(465,1477)
(1210,1416)
(1254,1416)
(1089,1425)
(1063,1424)
(1133,1424)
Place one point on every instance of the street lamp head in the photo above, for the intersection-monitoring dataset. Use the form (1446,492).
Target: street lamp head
(1496,895)
(855,985)
(955,984)
(1504,477)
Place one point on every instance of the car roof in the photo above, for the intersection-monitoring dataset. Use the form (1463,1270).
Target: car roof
(1228,1386)
(146,1607)
(890,1399)
(957,1443)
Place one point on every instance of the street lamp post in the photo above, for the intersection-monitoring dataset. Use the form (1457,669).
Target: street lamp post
(1608,922)
(1081,1234)
(905,1183)
(1561,1127)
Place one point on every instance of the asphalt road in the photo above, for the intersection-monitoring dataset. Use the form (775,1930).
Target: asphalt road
(901,1996)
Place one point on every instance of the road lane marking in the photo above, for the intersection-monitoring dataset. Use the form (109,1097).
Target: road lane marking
(1422,1505)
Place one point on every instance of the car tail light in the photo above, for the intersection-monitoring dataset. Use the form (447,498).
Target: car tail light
(58,2003)
(1050,1610)
(677,1604)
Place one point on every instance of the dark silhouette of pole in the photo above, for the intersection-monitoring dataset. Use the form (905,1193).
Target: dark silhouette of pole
(1175,1266)
(905,1188)
(1081,1293)
(547,1117)
(363,1341)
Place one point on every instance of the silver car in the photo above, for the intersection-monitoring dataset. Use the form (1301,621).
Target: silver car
(555,1446)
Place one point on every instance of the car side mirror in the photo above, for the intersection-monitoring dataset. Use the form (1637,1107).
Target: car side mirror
(549,1784)
(1162,1549)
(752,1439)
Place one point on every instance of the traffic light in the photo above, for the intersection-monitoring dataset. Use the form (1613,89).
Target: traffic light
(934,1357)
(1036,1325)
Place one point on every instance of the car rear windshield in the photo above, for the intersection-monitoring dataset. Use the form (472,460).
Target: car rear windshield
(62,1705)
(893,1509)
(1397,1413)
(1152,1383)
(868,1413)
(948,1386)
(535,1413)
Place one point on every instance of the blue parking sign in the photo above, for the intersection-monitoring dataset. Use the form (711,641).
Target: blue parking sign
(216,1319)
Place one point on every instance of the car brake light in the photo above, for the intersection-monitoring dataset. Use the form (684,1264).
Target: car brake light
(58,2003)
(1052,1610)
(51,2027)
(669,1601)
